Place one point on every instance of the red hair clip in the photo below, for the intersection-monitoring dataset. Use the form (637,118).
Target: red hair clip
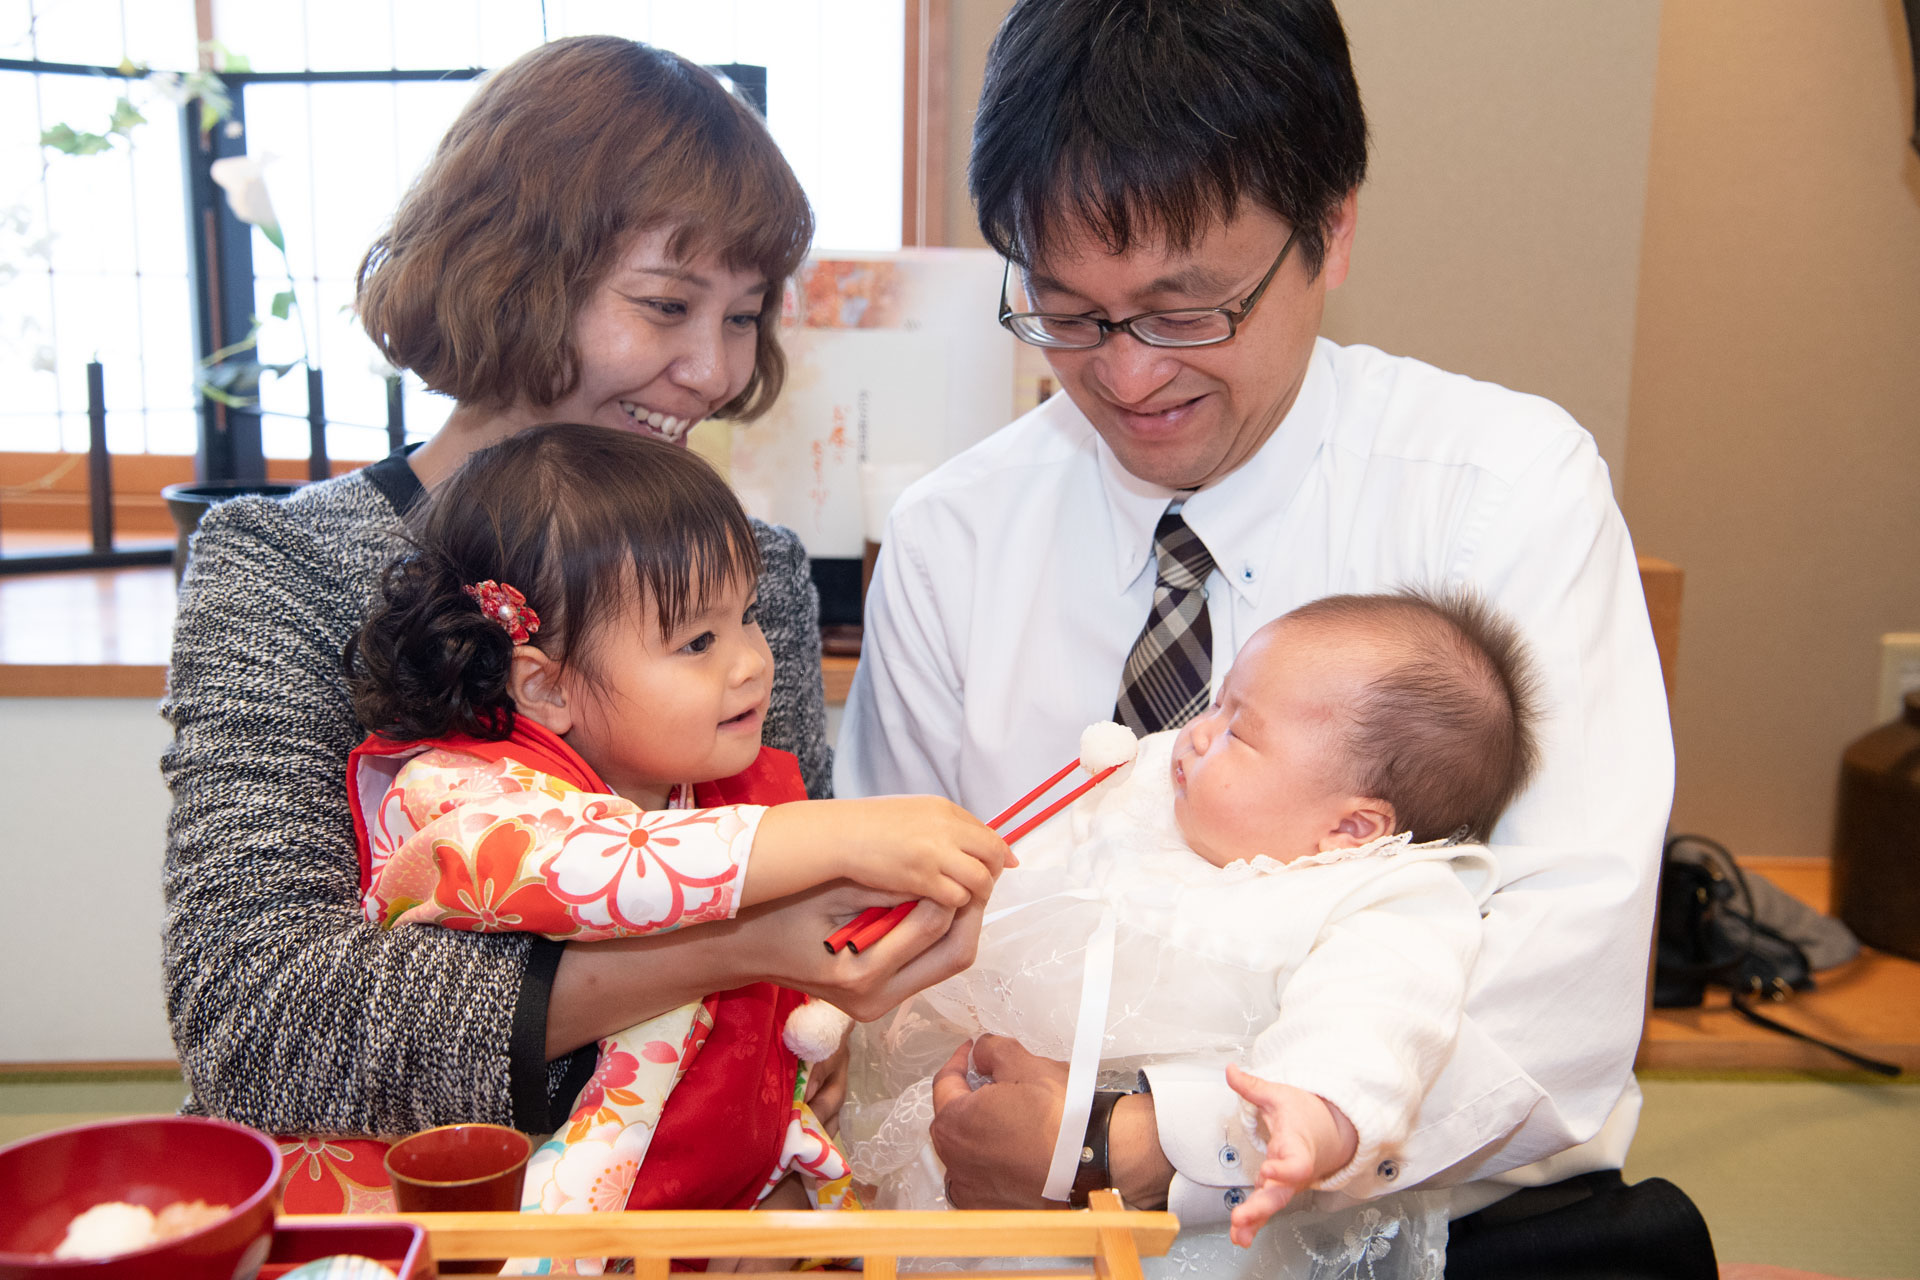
(507,607)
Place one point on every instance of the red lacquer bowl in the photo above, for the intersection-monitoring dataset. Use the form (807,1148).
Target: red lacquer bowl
(48,1180)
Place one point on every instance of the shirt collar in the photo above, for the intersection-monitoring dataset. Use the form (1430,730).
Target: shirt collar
(1234,516)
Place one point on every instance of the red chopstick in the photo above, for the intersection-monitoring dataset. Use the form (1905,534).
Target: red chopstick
(845,933)
(875,923)
(879,928)
(1035,794)
(1062,802)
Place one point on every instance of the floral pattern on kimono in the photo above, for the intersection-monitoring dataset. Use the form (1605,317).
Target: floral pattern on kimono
(469,835)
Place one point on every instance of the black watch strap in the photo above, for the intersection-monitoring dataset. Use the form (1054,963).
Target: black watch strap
(1095,1172)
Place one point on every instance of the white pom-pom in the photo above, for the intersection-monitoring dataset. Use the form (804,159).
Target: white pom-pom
(814,1030)
(1105,745)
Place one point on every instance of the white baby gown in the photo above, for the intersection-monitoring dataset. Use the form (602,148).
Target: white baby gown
(1342,973)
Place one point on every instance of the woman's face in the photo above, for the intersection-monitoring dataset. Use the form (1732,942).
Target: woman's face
(663,343)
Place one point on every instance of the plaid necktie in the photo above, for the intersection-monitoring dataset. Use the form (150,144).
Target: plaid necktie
(1169,673)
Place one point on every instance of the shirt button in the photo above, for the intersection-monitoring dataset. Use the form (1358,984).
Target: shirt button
(1229,1157)
(1234,1196)
(1388,1170)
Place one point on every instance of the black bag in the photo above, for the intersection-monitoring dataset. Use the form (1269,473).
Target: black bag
(1710,934)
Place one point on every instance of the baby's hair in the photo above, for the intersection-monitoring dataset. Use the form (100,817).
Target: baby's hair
(1446,734)
(582,520)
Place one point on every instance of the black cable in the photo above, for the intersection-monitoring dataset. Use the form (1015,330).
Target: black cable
(1731,970)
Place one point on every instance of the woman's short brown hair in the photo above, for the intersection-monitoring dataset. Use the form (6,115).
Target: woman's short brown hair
(561,157)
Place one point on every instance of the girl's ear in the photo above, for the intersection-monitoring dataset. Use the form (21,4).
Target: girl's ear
(537,692)
(1364,820)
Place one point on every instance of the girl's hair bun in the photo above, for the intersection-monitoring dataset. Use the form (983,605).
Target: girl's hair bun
(428,662)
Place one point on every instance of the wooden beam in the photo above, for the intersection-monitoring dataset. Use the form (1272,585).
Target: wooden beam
(923,202)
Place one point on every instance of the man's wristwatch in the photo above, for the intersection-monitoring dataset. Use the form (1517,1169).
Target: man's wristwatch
(1095,1172)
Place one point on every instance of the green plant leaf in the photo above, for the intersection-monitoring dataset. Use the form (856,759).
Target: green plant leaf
(221,397)
(236,383)
(273,234)
(282,303)
(66,138)
(211,92)
(225,59)
(125,117)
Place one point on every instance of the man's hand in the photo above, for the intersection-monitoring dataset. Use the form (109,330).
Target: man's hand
(997,1140)
(1308,1138)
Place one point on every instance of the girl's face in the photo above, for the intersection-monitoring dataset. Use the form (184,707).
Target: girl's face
(663,343)
(684,709)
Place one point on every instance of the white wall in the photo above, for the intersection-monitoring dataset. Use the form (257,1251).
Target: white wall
(86,832)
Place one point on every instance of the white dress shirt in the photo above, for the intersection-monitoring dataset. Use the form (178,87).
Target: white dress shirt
(1013,581)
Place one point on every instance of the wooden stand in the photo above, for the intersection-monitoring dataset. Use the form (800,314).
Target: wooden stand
(1112,1237)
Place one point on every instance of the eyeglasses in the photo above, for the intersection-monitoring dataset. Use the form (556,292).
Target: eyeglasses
(1184,327)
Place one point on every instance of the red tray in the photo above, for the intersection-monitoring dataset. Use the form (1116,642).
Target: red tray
(400,1247)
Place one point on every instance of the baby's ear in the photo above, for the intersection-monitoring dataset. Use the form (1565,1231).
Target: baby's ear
(537,692)
(1365,820)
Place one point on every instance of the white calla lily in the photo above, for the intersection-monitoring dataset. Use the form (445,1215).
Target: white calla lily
(243,178)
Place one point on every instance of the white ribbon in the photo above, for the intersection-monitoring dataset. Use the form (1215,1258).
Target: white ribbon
(1089,1036)
(1083,1068)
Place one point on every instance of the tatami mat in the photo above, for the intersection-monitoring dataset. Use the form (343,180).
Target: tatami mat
(1822,1175)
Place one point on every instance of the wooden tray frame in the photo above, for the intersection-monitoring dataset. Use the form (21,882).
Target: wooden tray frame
(1112,1237)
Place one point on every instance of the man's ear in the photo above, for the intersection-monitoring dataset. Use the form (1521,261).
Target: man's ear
(1340,240)
(534,682)
(1364,820)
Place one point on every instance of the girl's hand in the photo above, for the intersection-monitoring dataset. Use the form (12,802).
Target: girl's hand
(1308,1138)
(913,846)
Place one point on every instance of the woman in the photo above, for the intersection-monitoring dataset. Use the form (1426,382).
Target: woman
(602,236)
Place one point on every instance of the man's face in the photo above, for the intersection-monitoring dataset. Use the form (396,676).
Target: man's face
(1184,417)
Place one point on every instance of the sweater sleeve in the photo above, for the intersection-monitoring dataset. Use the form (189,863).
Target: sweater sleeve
(790,617)
(289,1010)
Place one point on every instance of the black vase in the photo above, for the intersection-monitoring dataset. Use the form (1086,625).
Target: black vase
(1876,844)
(186,503)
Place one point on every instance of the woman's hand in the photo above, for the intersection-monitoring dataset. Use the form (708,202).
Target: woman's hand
(911,846)
(827,1086)
(788,939)
(789,1196)
(601,987)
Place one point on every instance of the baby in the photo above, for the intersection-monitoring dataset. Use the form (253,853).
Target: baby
(1291,883)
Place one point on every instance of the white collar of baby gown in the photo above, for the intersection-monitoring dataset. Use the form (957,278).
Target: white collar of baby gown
(1384,847)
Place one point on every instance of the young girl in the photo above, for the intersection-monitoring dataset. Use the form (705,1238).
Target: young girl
(566,667)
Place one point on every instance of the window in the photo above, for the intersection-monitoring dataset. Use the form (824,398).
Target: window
(94,252)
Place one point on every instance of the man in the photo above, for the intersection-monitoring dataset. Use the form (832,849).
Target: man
(1175,185)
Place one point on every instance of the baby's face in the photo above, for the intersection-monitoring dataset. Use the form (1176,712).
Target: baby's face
(1260,772)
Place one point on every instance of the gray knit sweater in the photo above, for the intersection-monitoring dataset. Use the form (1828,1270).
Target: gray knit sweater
(290,1012)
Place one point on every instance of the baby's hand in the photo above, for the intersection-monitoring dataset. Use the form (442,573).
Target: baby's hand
(1307,1139)
(915,846)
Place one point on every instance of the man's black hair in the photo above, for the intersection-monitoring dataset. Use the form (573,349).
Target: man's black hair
(1147,118)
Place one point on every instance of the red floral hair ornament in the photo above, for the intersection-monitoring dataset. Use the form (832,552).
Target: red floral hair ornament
(507,607)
